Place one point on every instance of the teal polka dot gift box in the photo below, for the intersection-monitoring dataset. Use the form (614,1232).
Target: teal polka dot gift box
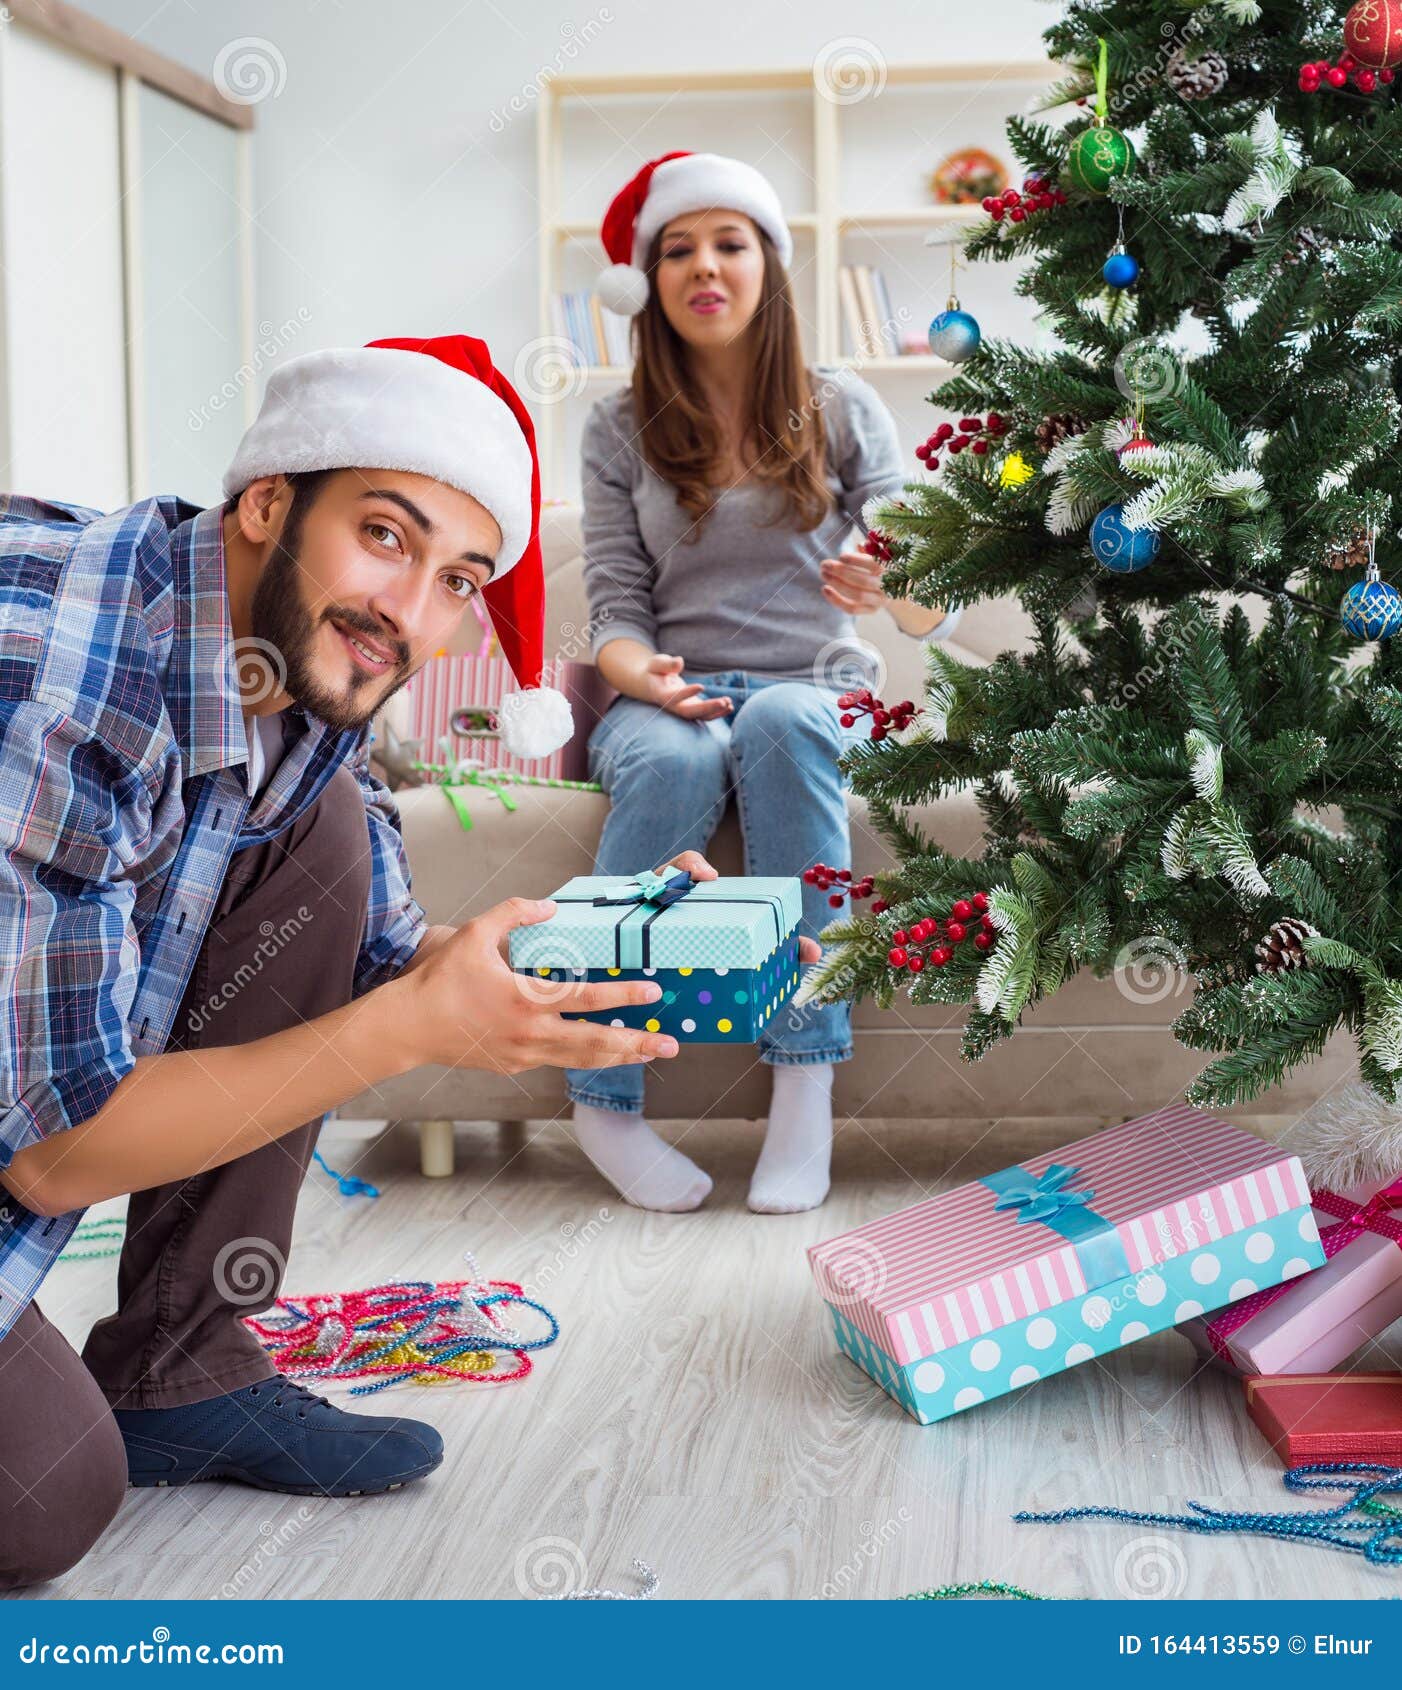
(724,951)
(1044,1265)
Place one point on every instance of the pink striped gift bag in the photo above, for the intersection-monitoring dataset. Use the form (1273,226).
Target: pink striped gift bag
(1066,1257)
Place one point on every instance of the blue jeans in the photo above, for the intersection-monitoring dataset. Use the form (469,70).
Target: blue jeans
(668,780)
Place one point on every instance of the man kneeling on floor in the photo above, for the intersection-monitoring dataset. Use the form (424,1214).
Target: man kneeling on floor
(184,700)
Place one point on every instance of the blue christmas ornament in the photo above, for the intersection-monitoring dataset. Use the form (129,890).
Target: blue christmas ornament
(954,335)
(1121,269)
(1371,610)
(1118,547)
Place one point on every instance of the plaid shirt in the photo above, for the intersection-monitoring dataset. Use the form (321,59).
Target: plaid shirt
(123,797)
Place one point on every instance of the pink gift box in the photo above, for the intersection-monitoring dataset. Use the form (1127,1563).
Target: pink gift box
(446,685)
(1041,1266)
(1324,1318)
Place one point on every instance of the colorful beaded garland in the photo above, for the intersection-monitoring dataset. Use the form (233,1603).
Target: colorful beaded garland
(405,1331)
(105,1236)
(984,1587)
(1333,1526)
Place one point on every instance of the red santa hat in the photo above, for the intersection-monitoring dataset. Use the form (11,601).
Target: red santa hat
(450,415)
(669,187)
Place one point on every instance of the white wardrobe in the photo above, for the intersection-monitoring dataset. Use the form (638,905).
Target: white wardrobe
(126,319)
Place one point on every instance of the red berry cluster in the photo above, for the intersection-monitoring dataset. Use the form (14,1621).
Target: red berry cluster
(1037,195)
(912,948)
(971,433)
(825,878)
(884,718)
(1319,72)
(877,545)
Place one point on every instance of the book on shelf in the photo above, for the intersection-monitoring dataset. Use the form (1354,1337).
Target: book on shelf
(872,325)
(596,335)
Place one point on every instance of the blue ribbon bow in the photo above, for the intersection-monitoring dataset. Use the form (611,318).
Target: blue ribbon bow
(1039,1199)
(649,887)
(1044,1198)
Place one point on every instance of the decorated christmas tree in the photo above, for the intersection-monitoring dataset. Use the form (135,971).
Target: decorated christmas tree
(1195,497)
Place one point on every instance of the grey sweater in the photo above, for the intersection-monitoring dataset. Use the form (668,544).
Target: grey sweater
(739,595)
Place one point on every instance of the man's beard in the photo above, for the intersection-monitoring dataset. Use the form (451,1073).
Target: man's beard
(280,618)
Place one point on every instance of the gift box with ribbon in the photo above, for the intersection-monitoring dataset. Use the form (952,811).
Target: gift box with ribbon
(1329,1416)
(453,703)
(724,951)
(1324,1319)
(1049,1263)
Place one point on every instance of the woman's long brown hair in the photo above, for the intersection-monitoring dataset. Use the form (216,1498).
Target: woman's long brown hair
(680,437)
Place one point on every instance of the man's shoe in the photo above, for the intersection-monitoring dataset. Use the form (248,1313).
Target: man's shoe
(278,1436)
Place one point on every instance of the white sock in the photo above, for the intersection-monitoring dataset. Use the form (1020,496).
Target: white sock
(792,1171)
(644,1169)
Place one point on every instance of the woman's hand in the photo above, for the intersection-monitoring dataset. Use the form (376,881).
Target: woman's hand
(664,687)
(853,583)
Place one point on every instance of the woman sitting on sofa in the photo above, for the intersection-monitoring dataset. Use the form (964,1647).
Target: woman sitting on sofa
(718,489)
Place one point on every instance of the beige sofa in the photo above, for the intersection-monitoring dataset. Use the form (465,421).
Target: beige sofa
(1100,1050)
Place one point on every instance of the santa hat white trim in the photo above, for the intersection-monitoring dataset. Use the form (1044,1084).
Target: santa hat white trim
(377,407)
(694,182)
(704,182)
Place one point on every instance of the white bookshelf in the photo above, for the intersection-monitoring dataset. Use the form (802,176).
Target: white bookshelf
(920,111)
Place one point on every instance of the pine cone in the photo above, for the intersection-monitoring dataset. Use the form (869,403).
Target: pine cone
(1059,426)
(1284,946)
(1352,555)
(1306,241)
(1196,79)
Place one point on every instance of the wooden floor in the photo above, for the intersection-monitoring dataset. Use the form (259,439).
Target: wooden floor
(695,1414)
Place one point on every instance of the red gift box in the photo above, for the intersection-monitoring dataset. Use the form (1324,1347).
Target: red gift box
(1329,1416)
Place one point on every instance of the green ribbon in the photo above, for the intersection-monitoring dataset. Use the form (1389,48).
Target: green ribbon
(1102,102)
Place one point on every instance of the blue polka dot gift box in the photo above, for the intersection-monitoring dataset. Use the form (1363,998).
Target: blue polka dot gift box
(724,951)
(1046,1264)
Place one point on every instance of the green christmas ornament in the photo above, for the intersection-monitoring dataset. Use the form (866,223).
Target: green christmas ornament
(1097,157)
(1100,153)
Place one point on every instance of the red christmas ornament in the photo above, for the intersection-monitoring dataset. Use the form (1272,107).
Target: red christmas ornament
(1373,33)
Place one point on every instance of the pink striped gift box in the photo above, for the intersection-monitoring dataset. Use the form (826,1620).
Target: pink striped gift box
(936,1279)
(447,684)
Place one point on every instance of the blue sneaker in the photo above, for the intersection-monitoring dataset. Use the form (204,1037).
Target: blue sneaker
(278,1436)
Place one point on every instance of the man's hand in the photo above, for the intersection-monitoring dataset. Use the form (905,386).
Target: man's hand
(664,687)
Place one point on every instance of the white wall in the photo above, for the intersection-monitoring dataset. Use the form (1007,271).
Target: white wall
(389,201)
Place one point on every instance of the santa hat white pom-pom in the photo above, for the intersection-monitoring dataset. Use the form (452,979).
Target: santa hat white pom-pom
(623,289)
(535,722)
